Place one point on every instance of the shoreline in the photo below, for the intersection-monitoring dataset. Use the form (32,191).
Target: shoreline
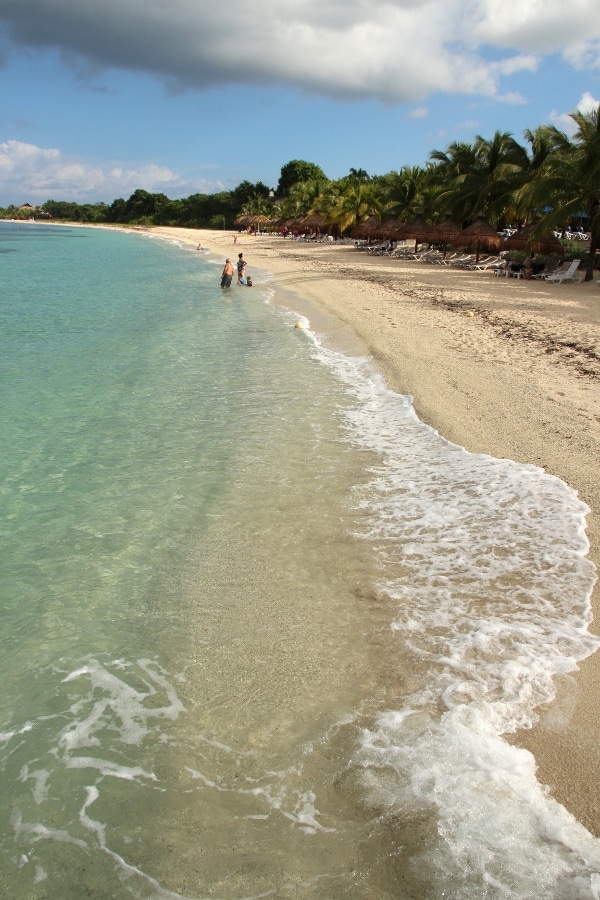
(518,379)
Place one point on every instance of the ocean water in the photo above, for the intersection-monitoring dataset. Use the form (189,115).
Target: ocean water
(262,630)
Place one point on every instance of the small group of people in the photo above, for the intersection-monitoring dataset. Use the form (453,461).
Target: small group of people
(229,271)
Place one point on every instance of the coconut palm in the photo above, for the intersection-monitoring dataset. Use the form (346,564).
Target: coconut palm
(568,180)
(301,198)
(479,176)
(408,191)
(258,206)
(354,204)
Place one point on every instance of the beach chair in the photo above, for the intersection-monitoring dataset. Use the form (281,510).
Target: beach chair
(568,275)
(464,261)
(450,258)
(488,263)
(540,276)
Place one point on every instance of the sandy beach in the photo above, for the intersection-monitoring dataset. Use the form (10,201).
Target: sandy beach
(499,366)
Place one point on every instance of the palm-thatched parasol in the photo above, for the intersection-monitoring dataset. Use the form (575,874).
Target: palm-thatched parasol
(445,231)
(312,223)
(294,225)
(257,221)
(523,239)
(369,229)
(479,235)
(393,228)
(243,220)
(418,229)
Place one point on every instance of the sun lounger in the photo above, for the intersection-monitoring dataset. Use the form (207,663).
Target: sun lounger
(541,276)
(464,261)
(568,275)
(483,264)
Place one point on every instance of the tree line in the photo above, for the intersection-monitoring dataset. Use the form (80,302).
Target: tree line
(552,178)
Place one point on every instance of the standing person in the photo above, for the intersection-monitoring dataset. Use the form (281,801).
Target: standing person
(241,268)
(227,274)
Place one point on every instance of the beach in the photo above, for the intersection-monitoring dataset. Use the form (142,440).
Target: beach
(504,367)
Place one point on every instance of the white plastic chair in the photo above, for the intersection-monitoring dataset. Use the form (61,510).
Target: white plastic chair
(568,275)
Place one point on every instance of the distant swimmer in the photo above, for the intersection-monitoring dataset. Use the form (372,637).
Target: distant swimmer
(227,274)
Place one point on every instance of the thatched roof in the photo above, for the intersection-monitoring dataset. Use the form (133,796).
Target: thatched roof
(393,228)
(479,235)
(418,228)
(524,239)
(446,229)
(370,228)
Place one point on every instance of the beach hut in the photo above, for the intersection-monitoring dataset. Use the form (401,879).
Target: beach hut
(479,236)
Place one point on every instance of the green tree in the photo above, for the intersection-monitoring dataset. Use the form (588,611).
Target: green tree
(295,171)
(568,180)
(258,206)
(481,176)
(408,191)
(354,204)
(359,175)
(244,193)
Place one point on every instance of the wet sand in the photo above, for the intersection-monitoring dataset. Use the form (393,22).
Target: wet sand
(519,378)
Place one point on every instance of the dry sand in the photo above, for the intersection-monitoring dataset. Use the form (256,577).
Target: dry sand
(518,379)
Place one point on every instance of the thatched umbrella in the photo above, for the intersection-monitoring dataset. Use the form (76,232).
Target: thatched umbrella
(369,229)
(445,231)
(243,220)
(479,235)
(294,225)
(312,223)
(418,229)
(393,228)
(257,221)
(522,239)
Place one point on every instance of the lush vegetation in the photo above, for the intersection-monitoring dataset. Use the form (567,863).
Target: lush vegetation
(551,179)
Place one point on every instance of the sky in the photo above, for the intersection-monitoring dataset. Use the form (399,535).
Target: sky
(101,97)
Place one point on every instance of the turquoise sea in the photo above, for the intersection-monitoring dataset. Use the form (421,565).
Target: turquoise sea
(261,629)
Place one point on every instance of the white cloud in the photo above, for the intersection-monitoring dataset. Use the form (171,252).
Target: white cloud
(564,121)
(394,50)
(587,103)
(34,174)
(539,26)
(421,112)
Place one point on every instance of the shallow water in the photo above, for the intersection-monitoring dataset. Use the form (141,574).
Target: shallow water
(262,630)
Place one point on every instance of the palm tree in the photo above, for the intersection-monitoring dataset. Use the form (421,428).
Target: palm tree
(258,206)
(568,180)
(479,176)
(354,204)
(409,190)
(301,198)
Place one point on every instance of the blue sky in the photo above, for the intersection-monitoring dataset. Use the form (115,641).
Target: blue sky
(183,96)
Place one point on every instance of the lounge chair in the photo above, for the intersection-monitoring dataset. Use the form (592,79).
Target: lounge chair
(485,263)
(567,275)
(540,276)
(464,261)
